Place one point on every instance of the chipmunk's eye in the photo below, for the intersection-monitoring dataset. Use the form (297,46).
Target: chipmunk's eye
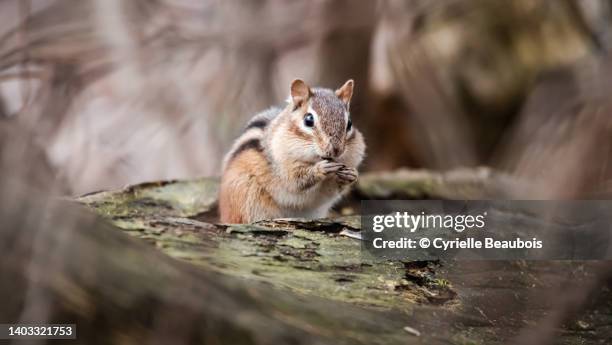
(349,125)
(309,120)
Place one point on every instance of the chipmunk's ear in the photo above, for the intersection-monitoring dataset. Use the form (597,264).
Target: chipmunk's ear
(345,92)
(300,92)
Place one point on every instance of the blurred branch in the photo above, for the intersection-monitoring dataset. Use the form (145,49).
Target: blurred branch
(459,184)
(567,139)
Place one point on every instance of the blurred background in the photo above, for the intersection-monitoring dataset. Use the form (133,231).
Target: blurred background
(99,94)
(112,92)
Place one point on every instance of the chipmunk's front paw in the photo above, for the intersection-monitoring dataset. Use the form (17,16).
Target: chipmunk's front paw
(326,168)
(347,175)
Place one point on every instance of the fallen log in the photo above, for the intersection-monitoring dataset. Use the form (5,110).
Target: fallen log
(156,268)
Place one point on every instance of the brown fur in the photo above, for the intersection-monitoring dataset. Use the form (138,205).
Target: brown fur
(245,176)
(295,130)
(326,102)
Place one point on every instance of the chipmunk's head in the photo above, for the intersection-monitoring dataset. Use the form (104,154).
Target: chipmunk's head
(320,119)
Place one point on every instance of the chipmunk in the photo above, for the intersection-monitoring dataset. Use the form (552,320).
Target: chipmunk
(293,162)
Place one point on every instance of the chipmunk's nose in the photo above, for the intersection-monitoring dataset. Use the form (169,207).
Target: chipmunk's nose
(332,152)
